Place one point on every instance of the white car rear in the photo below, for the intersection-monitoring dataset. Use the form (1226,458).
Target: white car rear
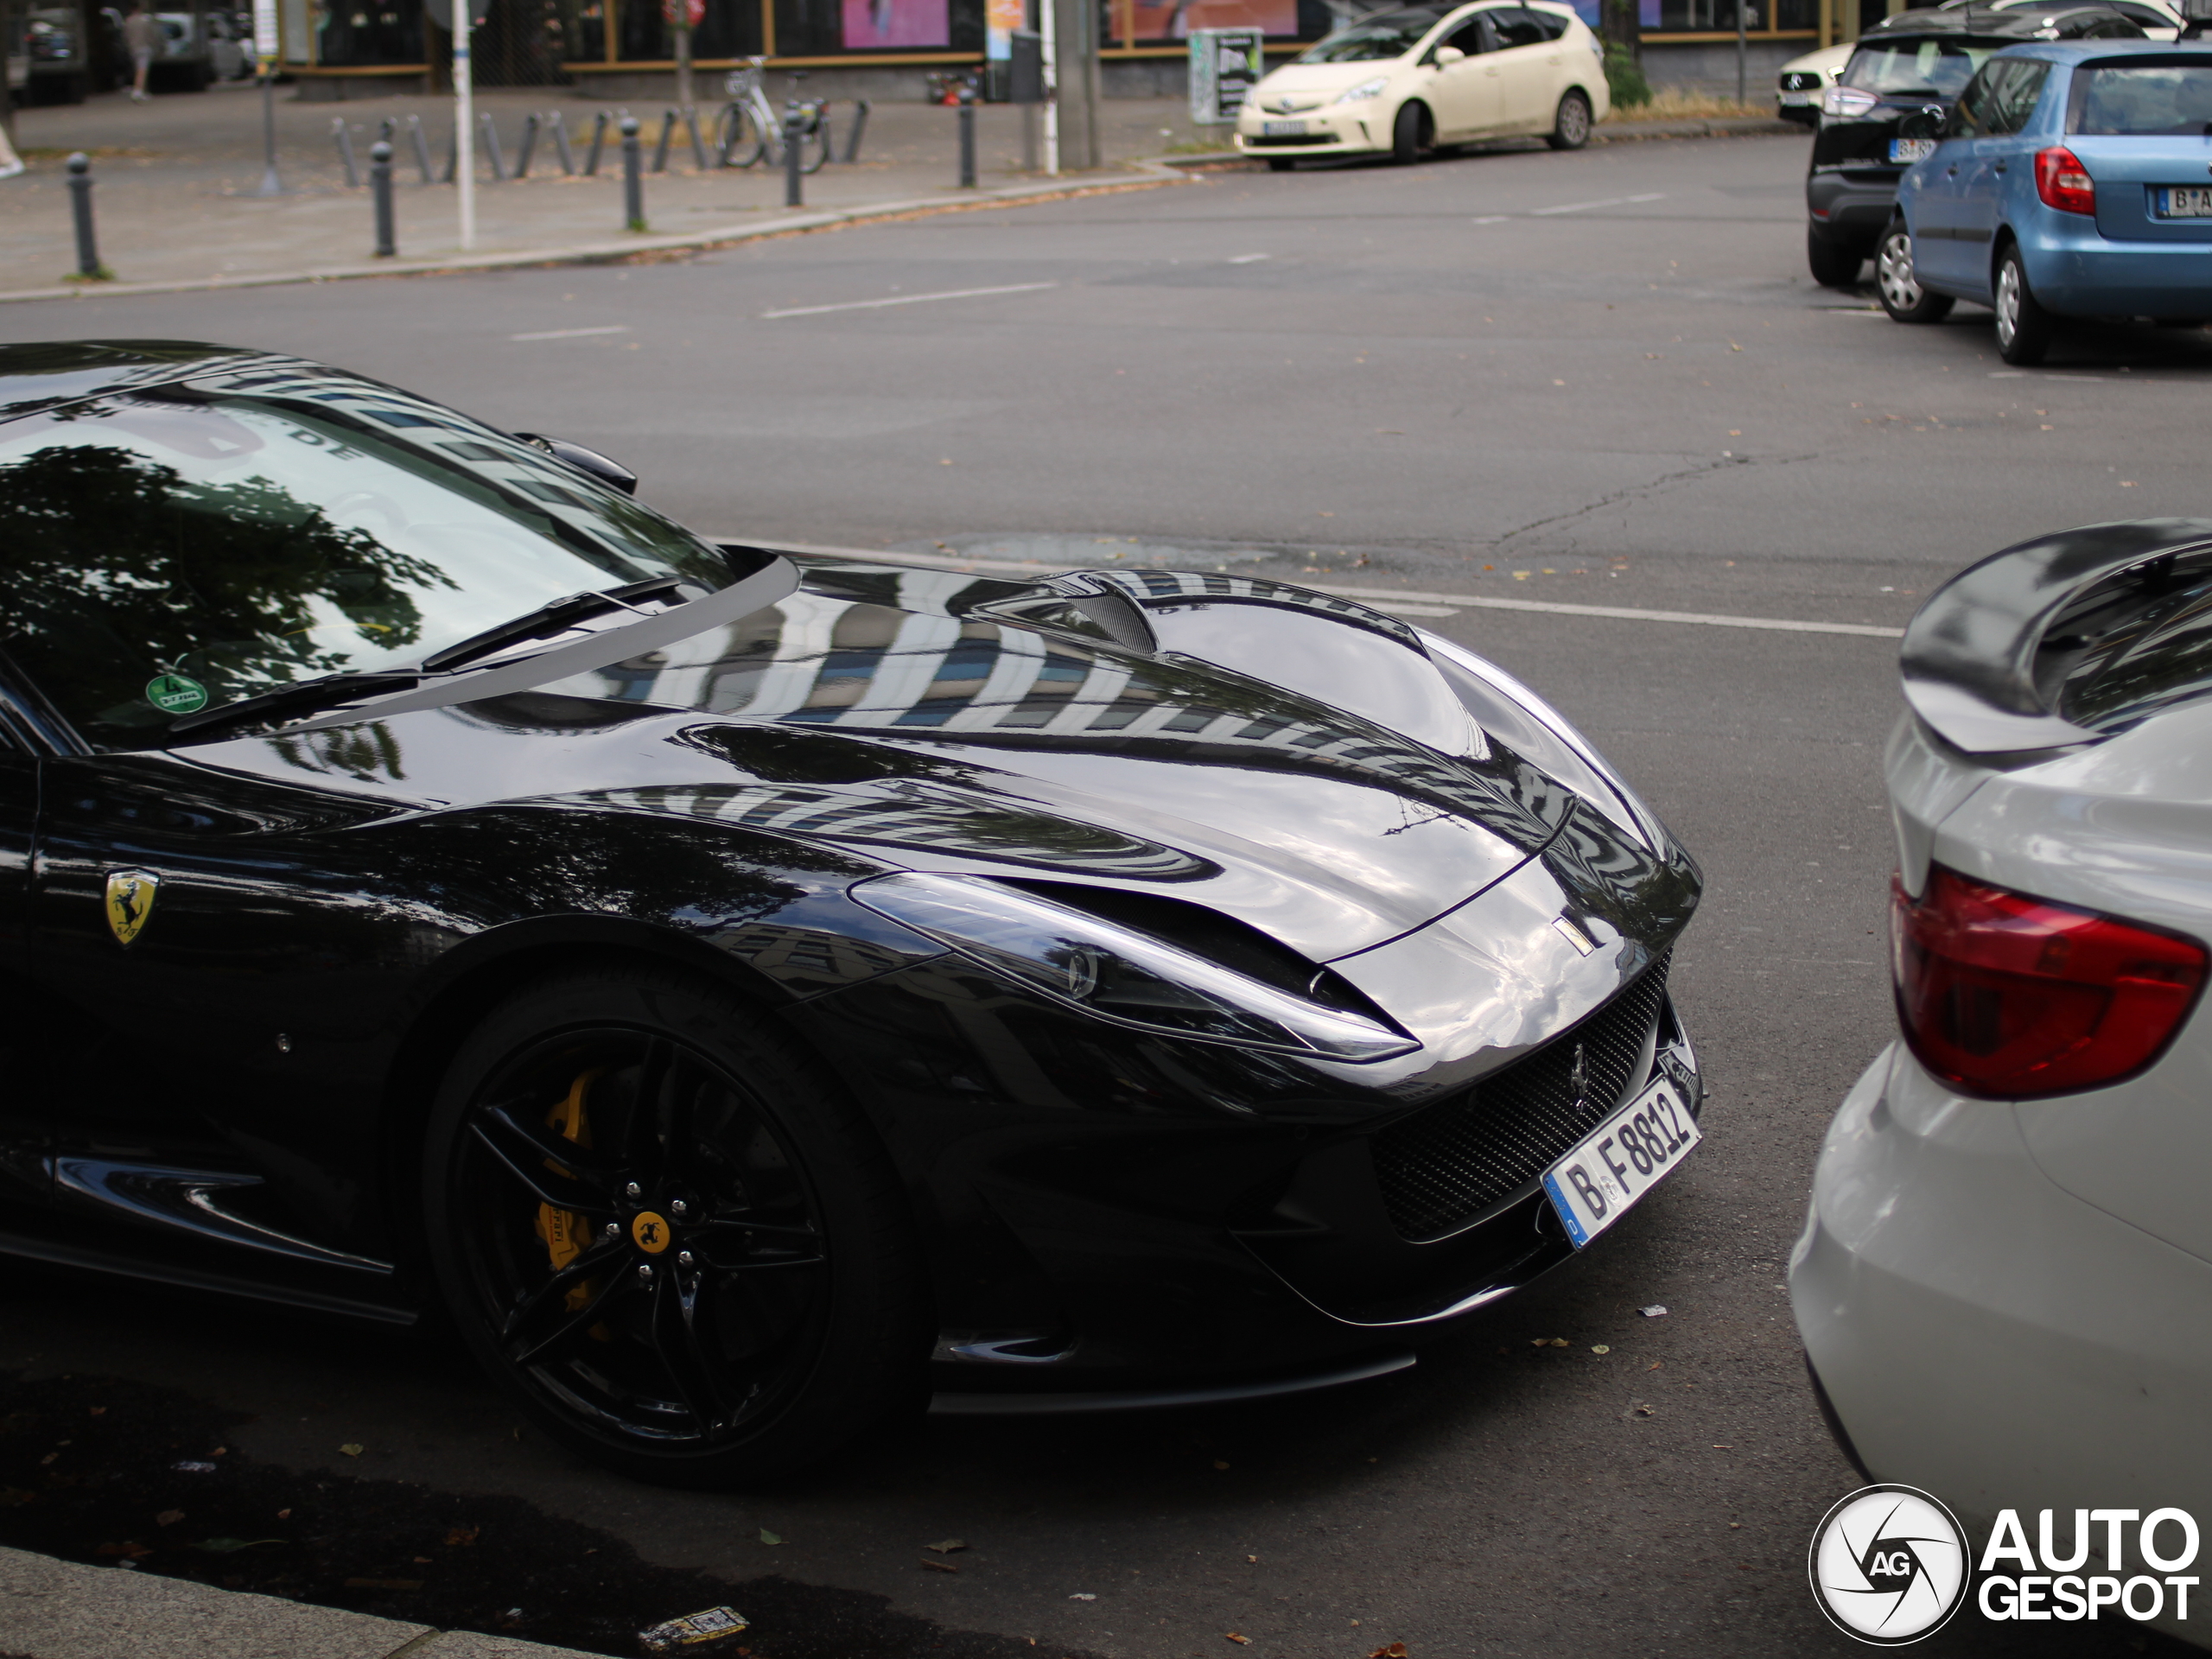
(2005,1283)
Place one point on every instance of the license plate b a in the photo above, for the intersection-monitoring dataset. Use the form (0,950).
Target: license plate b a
(1283,129)
(1910,149)
(2185,203)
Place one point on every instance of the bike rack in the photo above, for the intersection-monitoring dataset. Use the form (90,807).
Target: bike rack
(599,127)
(344,135)
(559,125)
(529,143)
(422,146)
(492,145)
(860,126)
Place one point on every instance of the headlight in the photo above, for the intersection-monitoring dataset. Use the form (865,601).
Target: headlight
(1847,102)
(1121,974)
(1365,90)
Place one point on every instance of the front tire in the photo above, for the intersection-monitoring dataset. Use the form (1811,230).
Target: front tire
(1571,124)
(2023,327)
(1410,133)
(1832,266)
(1903,296)
(662,1226)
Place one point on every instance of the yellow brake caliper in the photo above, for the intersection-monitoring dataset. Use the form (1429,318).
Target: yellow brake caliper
(564,1230)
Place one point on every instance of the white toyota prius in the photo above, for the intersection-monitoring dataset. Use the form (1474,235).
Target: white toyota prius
(2005,1284)
(1400,83)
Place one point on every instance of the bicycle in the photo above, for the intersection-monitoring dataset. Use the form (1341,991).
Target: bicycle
(748,130)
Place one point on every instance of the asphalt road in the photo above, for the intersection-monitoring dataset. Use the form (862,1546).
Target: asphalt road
(1600,378)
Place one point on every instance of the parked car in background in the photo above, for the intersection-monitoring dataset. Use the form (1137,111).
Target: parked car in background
(187,62)
(230,48)
(1402,83)
(60,55)
(2069,181)
(2004,1281)
(2159,20)
(1914,63)
(1797,89)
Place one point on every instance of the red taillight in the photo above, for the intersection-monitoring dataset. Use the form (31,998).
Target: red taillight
(2012,997)
(2063,182)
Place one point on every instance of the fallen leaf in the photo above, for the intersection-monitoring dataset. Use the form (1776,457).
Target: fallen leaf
(768,1537)
(133,1551)
(47,1458)
(284,1515)
(1253,1559)
(220,1450)
(1241,1641)
(351,1449)
(1395,1650)
(1657,1310)
(456,1536)
(946,1546)
(1218,1464)
(168,1517)
(939,1567)
(1559,1342)
(384,1584)
(1601,1348)
(99,1411)
(1083,1595)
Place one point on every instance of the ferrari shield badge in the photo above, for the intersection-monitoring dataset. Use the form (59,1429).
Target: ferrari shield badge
(129,902)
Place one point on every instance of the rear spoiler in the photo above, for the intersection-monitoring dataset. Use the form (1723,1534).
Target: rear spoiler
(1970,654)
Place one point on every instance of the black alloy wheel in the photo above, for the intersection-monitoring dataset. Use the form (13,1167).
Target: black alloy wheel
(1411,132)
(1571,124)
(2023,327)
(1903,296)
(1832,266)
(659,1223)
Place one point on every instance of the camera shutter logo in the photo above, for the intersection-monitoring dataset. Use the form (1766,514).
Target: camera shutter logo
(1889,1565)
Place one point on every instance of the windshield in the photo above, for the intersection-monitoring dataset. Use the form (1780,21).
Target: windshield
(2143,100)
(174,550)
(1931,68)
(1392,34)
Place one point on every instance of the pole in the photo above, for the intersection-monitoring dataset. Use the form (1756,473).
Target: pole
(794,132)
(464,121)
(1740,84)
(381,187)
(633,175)
(1048,27)
(684,56)
(967,137)
(270,184)
(80,209)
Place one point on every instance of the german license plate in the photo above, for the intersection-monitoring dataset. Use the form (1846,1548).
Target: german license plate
(1282,129)
(2185,203)
(1794,99)
(1910,149)
(1597,1183)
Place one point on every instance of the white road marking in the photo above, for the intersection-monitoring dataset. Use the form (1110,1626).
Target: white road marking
(1621,613)
(1584,206)
(907,299)
(1493,219)
(1248,259)
(573,333)
(1397,607)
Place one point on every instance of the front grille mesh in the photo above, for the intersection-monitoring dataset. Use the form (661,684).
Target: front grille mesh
(1440,1169)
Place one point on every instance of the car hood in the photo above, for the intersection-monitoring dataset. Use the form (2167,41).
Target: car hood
(1295,761)
(1329,78)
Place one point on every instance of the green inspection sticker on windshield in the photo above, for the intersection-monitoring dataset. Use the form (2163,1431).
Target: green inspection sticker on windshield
(173,693)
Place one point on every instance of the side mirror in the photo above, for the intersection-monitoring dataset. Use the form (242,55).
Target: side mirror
(1448,55)
(1922,124)
(590,462)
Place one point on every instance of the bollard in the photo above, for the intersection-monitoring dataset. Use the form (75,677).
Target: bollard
(380,187)
(452,155)
(345,138)
(89,268)
(860,126)
(422,147)
(698,144)
(794,143)
(967,135)
(667,132)
(529,143)
(492,146)
(598,143)
(633,171)
(559,124)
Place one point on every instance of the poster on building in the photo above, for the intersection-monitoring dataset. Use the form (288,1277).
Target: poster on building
(897,22)
(1225,67)
(1001,19)
(1178,20)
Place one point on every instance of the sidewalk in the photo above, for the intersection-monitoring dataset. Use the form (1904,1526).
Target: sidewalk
(58,1610)
(171,178)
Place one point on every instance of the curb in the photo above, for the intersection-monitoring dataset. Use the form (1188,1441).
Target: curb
(1731,126)
(60,1610)
(1147,175)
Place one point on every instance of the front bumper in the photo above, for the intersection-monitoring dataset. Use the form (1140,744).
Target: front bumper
(1333,129)
(1851,207)
(1984,1335)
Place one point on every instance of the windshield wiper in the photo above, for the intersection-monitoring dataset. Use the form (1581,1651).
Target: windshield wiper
(549,620)
(329,691)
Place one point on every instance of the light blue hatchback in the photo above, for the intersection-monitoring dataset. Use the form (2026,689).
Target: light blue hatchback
(2071,179)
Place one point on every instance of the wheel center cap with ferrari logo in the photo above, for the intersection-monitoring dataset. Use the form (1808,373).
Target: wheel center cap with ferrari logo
(648,1232)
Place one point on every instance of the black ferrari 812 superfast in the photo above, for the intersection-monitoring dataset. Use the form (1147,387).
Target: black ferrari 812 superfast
(755,994)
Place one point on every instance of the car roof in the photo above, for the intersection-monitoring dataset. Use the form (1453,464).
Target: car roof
(2012,24)
(46,374)
(2075,51)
